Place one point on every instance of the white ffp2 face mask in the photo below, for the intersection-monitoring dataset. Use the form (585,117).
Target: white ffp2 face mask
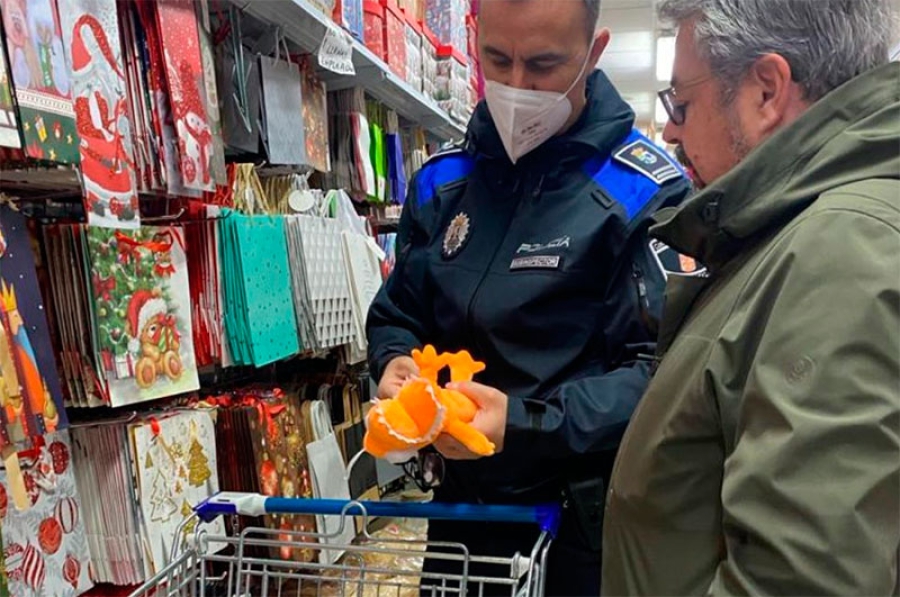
(525,118)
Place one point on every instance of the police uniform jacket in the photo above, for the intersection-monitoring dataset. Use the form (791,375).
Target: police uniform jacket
(544,271)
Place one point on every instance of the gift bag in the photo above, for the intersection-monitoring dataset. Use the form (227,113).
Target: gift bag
(239,83)
(211,94)
(326,279)
(9,130)
(378,159)
(258,297)
(180,38)
(362,256)
(175,459)
(279,446)
(315,119)
(141,307)
(45,545)
(329,479)
(40,70)
(396,168)
(104,471)
(282,111)
(29,385)
(91,32)
(67,266)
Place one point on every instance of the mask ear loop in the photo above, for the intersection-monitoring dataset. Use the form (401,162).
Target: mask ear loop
(583,66)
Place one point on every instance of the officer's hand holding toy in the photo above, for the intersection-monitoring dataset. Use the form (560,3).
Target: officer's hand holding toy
(453,418)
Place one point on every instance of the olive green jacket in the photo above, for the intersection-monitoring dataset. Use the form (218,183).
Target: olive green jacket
(764,457)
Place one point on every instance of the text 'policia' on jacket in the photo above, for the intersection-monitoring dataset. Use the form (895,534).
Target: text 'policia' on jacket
(543,270)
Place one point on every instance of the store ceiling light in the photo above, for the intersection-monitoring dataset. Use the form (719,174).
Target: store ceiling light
(665,57)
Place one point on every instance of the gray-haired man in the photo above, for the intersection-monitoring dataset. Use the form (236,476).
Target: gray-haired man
(764,457)
(528,247)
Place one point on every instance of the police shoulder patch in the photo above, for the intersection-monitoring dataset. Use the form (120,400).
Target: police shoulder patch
(649,160)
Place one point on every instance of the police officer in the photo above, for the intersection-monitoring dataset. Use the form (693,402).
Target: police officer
(528,247)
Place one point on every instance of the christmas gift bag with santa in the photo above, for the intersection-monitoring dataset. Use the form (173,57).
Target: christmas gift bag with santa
(142,316)
(91,33)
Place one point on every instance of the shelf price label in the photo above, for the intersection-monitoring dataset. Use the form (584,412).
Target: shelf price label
(336,52)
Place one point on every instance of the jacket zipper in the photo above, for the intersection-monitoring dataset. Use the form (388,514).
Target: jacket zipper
(638,276)
(470,315)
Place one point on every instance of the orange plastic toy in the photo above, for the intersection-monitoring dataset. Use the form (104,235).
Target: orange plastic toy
(422,410)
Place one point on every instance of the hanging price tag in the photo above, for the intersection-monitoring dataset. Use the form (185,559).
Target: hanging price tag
(336,52)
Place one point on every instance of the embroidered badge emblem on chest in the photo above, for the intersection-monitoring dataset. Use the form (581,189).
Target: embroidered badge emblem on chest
(456,235)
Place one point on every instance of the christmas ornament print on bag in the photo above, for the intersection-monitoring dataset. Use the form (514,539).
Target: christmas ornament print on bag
(45,546)
(279,448)
(40,69)
(141,300)
(91,32)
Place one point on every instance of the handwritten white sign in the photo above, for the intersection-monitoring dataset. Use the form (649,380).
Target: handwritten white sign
(336,52)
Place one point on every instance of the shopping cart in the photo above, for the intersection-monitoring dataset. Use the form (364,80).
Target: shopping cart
(205,565)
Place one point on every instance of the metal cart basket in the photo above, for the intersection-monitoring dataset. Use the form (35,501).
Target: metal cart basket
(245,563)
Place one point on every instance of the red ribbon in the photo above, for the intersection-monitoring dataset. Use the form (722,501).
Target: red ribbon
(128,249)
(103,288)
(154,246)
(267,416)
(167,326)
(154,426)
(160,245)
(164,269)
(219,401)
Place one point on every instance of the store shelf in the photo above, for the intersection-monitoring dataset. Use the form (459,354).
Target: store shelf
(387,225)
(305,25)
(40,180)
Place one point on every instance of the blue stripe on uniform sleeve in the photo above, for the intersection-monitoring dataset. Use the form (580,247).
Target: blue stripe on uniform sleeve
(443,170)
(631,189)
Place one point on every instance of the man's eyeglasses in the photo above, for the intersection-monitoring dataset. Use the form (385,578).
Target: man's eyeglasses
(669,98)
(426,470)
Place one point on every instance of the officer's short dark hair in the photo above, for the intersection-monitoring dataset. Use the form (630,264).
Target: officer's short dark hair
(593,8)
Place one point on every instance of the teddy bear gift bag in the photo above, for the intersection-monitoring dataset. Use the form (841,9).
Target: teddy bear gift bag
(141,309)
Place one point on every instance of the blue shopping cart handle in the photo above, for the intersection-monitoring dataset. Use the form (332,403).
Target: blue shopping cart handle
(546,516)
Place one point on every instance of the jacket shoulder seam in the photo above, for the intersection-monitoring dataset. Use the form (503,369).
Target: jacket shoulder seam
(879,200)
